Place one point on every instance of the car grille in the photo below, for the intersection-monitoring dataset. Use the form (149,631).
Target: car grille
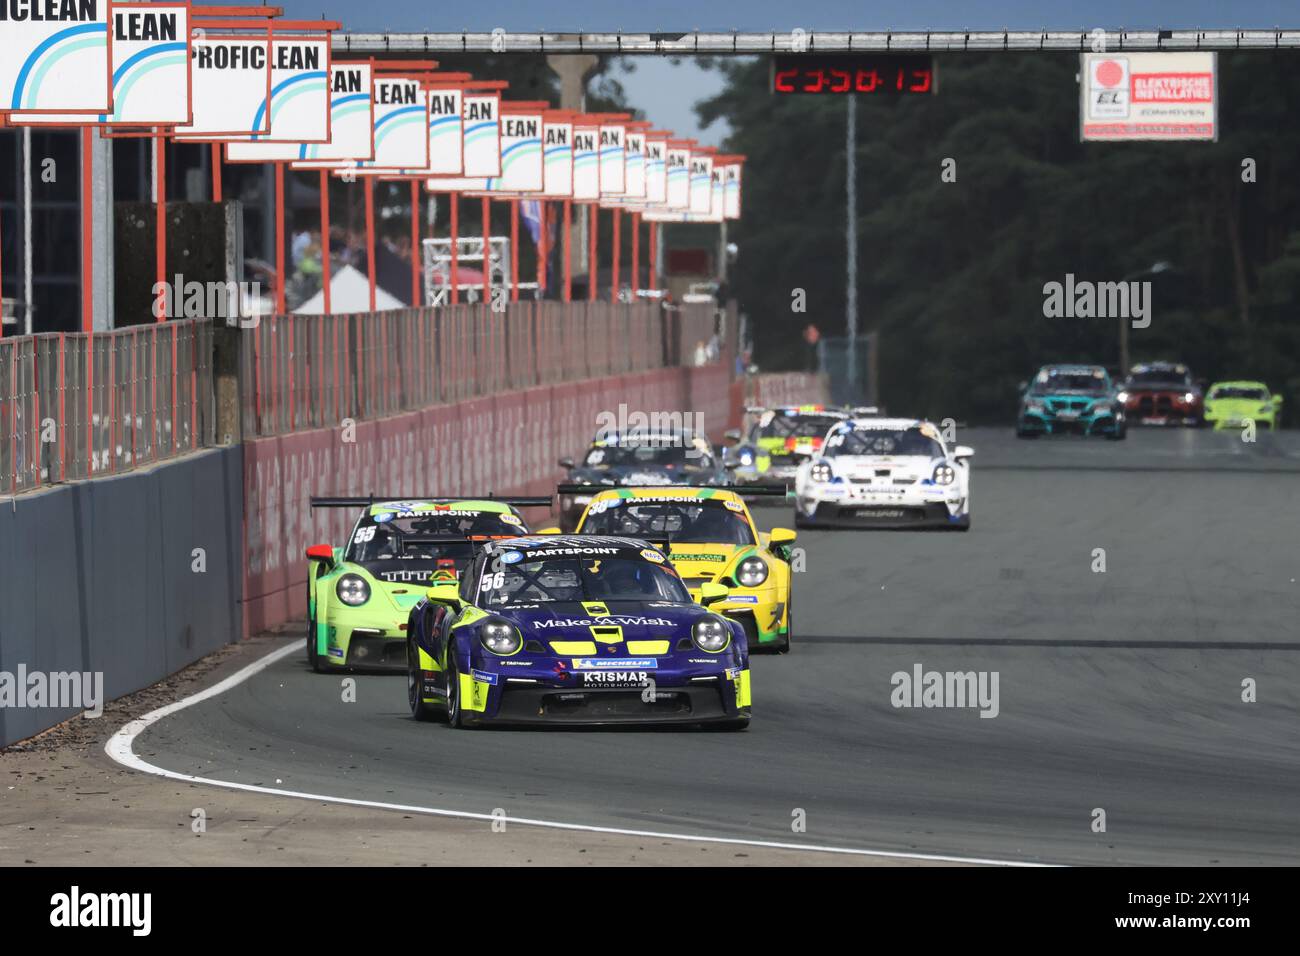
(591,705)
(1157,404)
(1068,404)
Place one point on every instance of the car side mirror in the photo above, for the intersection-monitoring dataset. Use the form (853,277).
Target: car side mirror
(1022,386)
(1277,401)
(567,463)
(547,531)
(445,594)
(321,552)
(963,451)
(781,536)
(711,593)
(732,434)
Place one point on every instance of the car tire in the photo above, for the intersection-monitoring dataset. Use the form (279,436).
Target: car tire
(803,522)
(414,689)
(1118,434)
(455,716)
(313,658)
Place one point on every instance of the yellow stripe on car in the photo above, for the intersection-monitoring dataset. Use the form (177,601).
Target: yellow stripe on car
(647,647)
(576,648)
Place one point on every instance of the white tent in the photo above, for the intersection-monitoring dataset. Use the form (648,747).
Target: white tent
(349,292)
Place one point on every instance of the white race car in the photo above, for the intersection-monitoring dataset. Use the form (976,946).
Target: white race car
(885,473)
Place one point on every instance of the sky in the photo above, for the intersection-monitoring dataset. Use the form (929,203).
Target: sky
(666,92)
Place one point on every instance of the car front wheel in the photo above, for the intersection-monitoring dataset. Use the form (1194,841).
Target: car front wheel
(415,685)
(454,718)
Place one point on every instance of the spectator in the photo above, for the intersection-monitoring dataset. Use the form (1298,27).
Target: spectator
(812,337)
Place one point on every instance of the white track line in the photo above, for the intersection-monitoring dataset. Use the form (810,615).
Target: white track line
(120,745)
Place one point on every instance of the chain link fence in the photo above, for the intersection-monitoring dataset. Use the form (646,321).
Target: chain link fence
(76,405)
(81,405)
(312,371)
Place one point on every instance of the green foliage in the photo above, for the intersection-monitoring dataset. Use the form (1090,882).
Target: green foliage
(951,274)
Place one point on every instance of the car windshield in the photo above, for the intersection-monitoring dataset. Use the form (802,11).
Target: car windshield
(1047,382)
(1156,378)
(881,441)
(551,580)
(1235,391)
(796,426)
(656,455)
(689,520)
(406,535)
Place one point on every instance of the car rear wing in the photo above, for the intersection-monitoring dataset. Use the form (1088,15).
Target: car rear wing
(475,541)
(745,490)
(358,502)
(659,541)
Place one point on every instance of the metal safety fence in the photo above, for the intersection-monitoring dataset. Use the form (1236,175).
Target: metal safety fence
(81,405)
(77,405)
(312,371)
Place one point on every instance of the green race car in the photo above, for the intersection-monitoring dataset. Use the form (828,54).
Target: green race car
(1232,404)
(359,596)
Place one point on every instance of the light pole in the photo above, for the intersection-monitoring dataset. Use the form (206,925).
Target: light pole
(851,245)
(1155,269)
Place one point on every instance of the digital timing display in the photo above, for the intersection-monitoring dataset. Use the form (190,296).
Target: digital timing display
(887,74)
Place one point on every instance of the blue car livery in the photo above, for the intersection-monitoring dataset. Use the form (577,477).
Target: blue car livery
(574,629)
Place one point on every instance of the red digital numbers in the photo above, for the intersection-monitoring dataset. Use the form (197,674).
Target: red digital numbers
(806,73)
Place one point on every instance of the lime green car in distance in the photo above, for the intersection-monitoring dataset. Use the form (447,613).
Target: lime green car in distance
(1232,404)
(359,595)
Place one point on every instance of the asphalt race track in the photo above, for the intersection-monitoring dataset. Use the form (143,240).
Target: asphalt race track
(1119,690)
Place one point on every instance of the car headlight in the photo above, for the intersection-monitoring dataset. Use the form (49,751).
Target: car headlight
(352,590)
(746,457)
(820,472)
(752,571)
(1034,406)
(1189,397)
(499,636)
(1123,397)
(945,475)
(710,634)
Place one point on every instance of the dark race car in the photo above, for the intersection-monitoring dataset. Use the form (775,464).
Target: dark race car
(777,441)
(643,459)
(1162,393)
(575,629)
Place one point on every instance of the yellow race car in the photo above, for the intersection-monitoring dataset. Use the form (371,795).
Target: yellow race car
(711,539)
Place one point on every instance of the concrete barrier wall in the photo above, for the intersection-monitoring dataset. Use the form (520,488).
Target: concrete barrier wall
(506,444)
(770,389)
(100,576)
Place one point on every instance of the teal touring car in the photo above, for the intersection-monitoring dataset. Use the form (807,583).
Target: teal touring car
(1071,400)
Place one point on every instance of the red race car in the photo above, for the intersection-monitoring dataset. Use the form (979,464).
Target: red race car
(1162,393)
